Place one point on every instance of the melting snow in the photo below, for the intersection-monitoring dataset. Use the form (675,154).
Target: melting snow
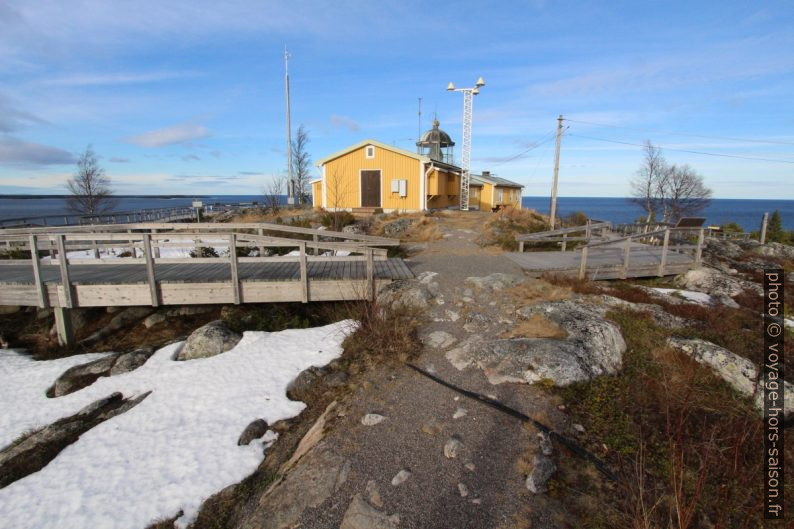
(169,453)
(689,295)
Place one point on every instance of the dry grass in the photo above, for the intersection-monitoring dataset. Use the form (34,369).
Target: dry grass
(425,230)
(535,327)
(503,226)
(534,291)
(265,215)
(683,443)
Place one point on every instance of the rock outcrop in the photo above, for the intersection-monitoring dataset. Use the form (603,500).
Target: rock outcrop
(405,294)
(739,372)
(211,339)
(123,319)
(715,283)
(35,450)
(593,346)
(83,375)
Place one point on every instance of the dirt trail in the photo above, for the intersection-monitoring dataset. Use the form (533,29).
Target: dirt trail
(483,486)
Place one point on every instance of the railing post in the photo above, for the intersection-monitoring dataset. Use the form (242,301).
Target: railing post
(316,240)
(764,224)
(583,263)
(233,263)
(66,282)
(304,273)
(521,246)
(586,232)
(699,250)
(132,248)
(150,276)
(370,275)
(663,261)
(156,247)
(261,233)
(63,325)
(34,259)
(626,253)
(565,237)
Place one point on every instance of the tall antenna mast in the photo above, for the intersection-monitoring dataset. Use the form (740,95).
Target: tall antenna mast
(468,97)
(290,182)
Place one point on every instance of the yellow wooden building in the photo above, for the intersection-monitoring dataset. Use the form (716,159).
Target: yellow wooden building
(371,175)
(374,176)
(487,192)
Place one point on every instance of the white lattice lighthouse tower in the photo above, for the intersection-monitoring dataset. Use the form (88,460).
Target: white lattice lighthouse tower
(465,162)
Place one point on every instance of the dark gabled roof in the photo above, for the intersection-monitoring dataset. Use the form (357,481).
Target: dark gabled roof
(497,181)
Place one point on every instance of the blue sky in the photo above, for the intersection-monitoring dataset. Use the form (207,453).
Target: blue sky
(186,97)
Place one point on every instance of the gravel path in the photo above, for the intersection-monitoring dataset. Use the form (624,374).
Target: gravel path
(483,486)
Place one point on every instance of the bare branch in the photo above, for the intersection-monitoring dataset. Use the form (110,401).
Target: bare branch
(89,188)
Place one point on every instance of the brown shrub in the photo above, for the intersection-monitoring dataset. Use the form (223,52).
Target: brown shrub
(502,227)
(580,286)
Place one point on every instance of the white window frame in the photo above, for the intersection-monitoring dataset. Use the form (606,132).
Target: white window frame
(369,154)
(500,195)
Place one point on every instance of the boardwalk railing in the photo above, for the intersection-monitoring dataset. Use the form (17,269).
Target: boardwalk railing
(592,230)
(670,239)
(166,214)
(151,245)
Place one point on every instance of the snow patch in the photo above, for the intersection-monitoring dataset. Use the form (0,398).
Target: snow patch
(173,450)
(695,297)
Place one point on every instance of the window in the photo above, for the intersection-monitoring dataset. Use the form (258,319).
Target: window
(370,151)
(500,195)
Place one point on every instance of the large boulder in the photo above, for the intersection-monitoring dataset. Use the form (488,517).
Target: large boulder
(398,227)
(411,294)
(80,376)
(775,250)
(715,283)
(494,282)
(593,347)
(211,339)
(739,372)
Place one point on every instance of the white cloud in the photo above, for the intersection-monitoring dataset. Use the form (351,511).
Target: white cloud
(117,78)
(172,135)
(345,122)
(14,151)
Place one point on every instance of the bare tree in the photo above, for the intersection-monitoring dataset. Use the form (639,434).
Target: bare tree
(273,192)
(89,188)
(683,193)
(337,192)
(667,192)
(645,185)
(301,164)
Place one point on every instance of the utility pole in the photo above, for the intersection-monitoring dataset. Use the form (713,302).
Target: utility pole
(764,224)
(290,182)
(553,210)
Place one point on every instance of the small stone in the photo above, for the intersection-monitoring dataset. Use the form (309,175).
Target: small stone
(452,315)
(476,501)
(545,443)
(372,494)
(371,419)
(463,489)
(254,430)
(362,515)
(578,427)
(542,469)
(452,447)
(401,477)
(561,407)
(438,340)
(468,300)
(460,412)
(153,319)
(470,467)
(431,427)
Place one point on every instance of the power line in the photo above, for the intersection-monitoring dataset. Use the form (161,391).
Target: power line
(687,151)
(656,131)
(544,139)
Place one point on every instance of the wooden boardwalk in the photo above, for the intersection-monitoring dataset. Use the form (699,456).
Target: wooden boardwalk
(603,262)
(605,254)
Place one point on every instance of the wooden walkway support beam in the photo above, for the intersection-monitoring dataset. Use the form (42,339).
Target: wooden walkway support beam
(150,277)
(63,325)
(233,263)
(66,283)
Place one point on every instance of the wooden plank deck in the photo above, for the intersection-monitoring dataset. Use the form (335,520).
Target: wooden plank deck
(196,283)
(603,262)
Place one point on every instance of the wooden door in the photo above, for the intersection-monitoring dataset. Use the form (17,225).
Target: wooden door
(370,189)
